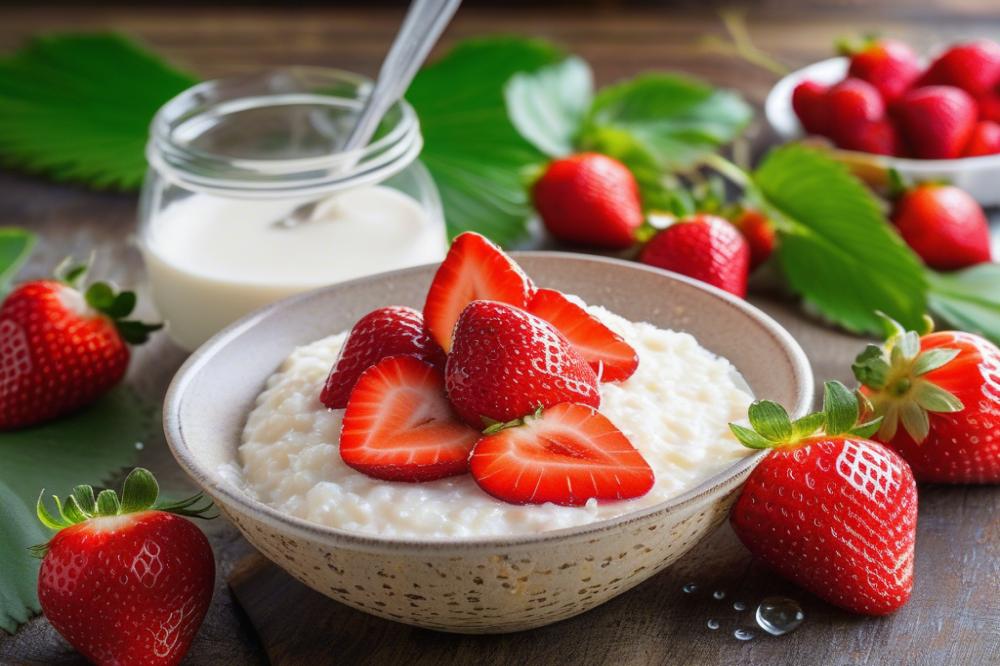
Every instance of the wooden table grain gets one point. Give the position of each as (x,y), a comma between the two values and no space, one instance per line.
(954,616)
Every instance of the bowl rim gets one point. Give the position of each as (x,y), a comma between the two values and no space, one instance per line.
(212,483)
(778,101)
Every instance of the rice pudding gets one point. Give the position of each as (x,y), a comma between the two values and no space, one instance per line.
(675,410)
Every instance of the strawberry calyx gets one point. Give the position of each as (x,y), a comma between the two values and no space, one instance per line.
(103,298)
(771,427)
(140,492)
(898,388)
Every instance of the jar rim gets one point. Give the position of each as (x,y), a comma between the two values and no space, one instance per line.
(204,170)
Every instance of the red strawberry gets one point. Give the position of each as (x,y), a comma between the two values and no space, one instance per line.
(759,233)
(62,349)
(608,354)
(985,140)
(989,106)
(590,199)
(878,138)
(704,247)
(973,67)
(475,269)
(944,390)
(831,511)
(935,121)
(566,454)
(944,225)
(392,331)
(888,64)
(399,426)
(852,104)
(809,104)
(506,363)
(126,581)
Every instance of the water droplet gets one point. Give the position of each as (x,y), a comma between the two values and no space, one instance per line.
(743,634)
(740,606)
(779,615)
(713,624)
(689,588)
(719,594)
(139,446)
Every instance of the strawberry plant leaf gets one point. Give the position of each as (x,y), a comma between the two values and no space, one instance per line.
(87,447)
(968,299)
(836,249)
(472,149)
(547,106)
(77,107)
(674,120)
(15,246)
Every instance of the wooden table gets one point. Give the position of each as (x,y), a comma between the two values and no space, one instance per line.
(954,616)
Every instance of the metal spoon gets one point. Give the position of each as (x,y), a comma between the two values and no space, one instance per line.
(425,21)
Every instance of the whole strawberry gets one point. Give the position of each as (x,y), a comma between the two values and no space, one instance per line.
(973,66)
(125,580)
(827,508)
(852,104)
(505,363)
(704,247)
(759,233)
(935,121)
(589,199)
(809,104)
(944,225)
(62,349)
(939,398)
(888,64)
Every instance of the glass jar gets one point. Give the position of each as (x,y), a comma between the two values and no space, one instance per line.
(230,159)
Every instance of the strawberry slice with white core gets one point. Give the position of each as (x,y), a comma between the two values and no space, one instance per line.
(611,358)
(474,269)
(399,426)
(566,454)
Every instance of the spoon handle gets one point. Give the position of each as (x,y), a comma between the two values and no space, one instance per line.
(425,21)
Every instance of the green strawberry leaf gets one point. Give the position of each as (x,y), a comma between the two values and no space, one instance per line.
(547,106)
(968,299)
(471,147)
(836,248)
(15,247)
(673,120)
(87,447)
(77,107)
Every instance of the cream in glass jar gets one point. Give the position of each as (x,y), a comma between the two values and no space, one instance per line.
(229,159)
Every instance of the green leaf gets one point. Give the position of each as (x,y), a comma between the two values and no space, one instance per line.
(836,248)
(77,107)
(750,438)
(968,299)
(15,247)
(807,425)
(915,421)
(89,446)
(933,398)
(933,359)
(19,531)
(548,106)
(770,420)
(870,367)
(676,119)
(868,428)
(471,147)
(840,408)
(140,491)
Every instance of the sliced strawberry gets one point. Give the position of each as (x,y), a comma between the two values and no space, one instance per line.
(605,351)
(566,454)
(392,331)
(475,269)
(400,427)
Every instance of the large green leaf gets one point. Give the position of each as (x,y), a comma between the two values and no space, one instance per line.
(676,119)
(548,106)
(836,248)
(77,107)
(15,246)
(19,530)
(87,447)
(472,149)
(969,299)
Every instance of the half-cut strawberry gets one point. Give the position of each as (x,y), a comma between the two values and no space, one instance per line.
(566,454)
(605,351)
(475,269)
(399,425)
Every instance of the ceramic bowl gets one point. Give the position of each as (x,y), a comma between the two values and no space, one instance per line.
(976,175)
(473,585)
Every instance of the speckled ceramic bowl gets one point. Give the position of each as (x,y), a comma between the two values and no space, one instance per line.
(473,585)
